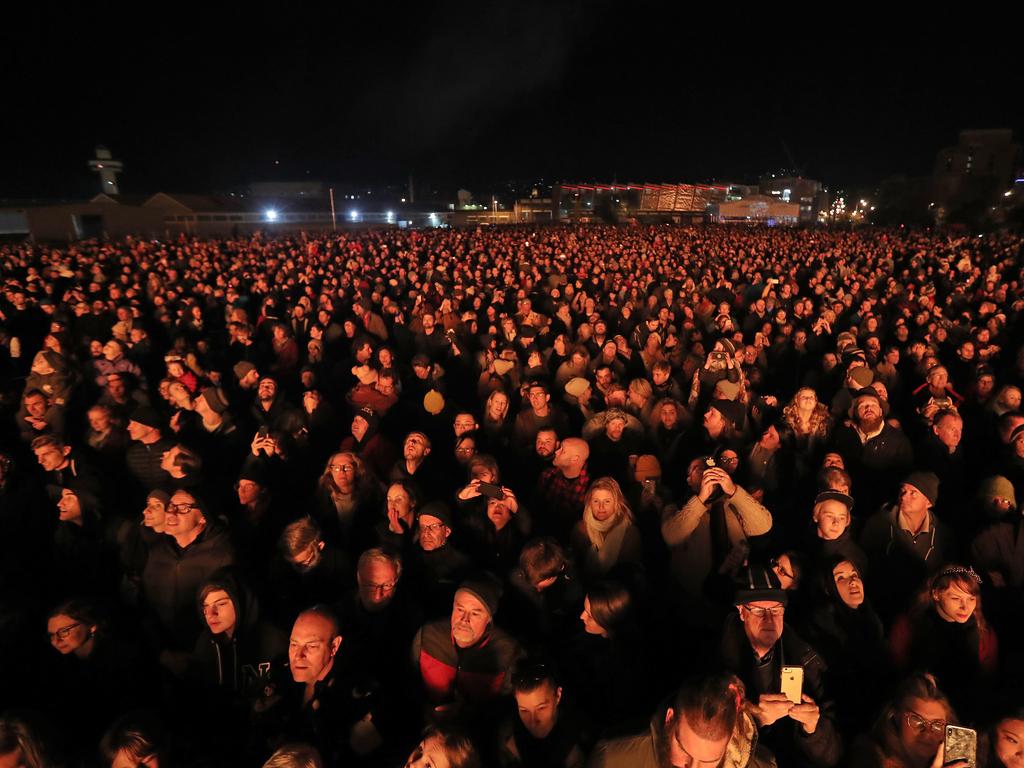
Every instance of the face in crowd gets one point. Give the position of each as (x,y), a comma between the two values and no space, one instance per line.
(312,647)
(470,619)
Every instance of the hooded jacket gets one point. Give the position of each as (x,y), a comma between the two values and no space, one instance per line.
(240,663)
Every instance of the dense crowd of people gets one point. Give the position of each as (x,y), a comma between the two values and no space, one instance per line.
(557,496)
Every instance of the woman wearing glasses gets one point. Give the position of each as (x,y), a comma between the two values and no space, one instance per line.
(96,677)
(348,496)
(947,634)
(910,731)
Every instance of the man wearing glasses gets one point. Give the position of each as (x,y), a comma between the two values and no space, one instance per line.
(193,546)
(756,644)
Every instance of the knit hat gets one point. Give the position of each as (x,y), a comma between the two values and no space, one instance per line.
(486,589)
(998,487)
(647,467)
(437,509)
(433,401)
(503,366)
(243,369)
(728,390)
(727,345)
(835,496)
(365,374)
(421,361)
(926,482)
(369,416)
(862,376)
(576,386)
(253,475)
(731,410)
(146,416)
(215,399)
(1017,432)
(758,583)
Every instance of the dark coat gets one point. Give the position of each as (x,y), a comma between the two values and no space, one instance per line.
(786,738)
(173,576)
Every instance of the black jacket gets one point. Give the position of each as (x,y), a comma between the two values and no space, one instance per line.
(239,664)
(173,576)
(786,737)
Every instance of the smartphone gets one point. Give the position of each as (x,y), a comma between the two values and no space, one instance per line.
(793,683)
(262,432)
(961,744)
(491,491)
(649,485)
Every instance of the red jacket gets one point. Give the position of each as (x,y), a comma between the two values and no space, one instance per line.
(477,674)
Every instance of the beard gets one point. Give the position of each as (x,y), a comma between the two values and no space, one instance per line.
(867,426)
(662,742)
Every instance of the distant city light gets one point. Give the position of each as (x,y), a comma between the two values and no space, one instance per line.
(391,217)
(271,214)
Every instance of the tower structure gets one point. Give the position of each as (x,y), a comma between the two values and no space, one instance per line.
(107,168)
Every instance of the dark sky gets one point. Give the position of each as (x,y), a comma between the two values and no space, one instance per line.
(470,94)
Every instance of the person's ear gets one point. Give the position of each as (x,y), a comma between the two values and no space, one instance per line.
(335,645)
(558,696)
(669,714)
(320,545)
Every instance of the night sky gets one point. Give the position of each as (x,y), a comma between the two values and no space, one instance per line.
(472,94)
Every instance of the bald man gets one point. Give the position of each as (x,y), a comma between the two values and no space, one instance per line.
(561,488)
(321,709)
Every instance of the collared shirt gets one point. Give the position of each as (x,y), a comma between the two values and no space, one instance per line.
(865,436)
(905,525)
(564,495)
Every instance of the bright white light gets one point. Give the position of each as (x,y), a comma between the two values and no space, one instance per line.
(271,214)
(391,216)
(354,214)
(1008,193)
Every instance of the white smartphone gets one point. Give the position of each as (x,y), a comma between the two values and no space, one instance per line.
(793,683)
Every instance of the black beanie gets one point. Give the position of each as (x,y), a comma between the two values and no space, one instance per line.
(732,410)
(484,588)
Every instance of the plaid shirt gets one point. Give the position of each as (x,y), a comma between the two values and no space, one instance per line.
(563,497)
